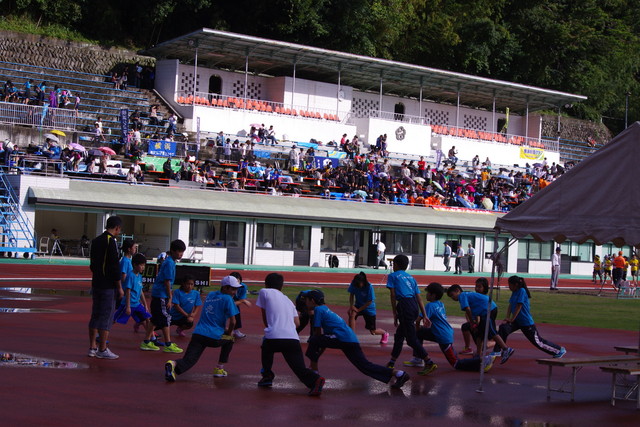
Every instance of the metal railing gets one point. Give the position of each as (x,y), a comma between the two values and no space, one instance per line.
(16,226)
(33,115)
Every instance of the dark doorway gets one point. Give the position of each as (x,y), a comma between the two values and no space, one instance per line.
(215,84)
(398,110)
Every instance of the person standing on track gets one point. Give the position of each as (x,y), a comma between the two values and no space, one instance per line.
(106,287)
(555,269)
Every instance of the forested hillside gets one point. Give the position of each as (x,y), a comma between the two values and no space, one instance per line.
(590,47)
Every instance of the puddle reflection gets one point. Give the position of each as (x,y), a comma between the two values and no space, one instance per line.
(25,360)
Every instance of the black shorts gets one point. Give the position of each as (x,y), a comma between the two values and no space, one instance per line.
(160,316)
(182,323)
(369,320)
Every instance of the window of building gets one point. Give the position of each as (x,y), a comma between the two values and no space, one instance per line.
(282,237)
(398,242)
(340,239)
(222,234)
(454,240)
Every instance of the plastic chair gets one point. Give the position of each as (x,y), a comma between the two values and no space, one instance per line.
(43,248)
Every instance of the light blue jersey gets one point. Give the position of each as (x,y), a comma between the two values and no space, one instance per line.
(218,307)
(332,324)
(362,296)
(440,327)
(167,271)
(133,282)
(476,302)
(186,300)
(403,283)
(524,317)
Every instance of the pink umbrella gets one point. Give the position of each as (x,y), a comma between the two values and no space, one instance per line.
(77,147)
(107,150)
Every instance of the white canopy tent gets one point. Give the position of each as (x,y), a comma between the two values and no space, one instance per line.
(598,200)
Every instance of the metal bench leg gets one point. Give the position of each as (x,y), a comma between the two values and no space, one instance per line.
(613,389)
(549,383)
(573,382)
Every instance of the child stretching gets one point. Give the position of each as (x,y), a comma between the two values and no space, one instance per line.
(213,330)
(519,317)
(134,304)
(362,302)
(407,306)
(240,298)
(482,287)
(474,306)
(280,319)
(161,292)
(441,332)
(338,335)
(186,303)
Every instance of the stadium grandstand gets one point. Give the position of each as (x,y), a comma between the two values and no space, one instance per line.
(262,152)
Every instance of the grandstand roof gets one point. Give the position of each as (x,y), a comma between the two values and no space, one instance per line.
(221,49)
(171,201)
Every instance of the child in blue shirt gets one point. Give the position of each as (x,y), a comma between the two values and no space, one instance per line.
(134,303)
(407,307)
(214,329)
(519,317)
(482,287)
(240,298)
(330,331)
(474,306)
(441,332)
(186,303)
(362,302)
(161,292)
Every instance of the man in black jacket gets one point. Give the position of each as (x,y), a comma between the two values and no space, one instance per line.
(105,287)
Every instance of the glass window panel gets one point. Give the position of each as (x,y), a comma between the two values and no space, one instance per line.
(301,236)
(234,234)
(417,244)
(546,250)
(585,252)
(534,250)
(328,242)
(522,249)
(264,234)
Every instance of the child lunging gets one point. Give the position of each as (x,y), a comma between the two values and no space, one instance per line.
(362,302)
(519,317)
(186,303)
(330,331)
(280,319)
(134,303)
(214,329)
(441,332)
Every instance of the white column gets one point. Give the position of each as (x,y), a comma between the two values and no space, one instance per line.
(293,85)
(315,256)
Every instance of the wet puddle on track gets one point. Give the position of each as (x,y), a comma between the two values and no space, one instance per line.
(19,360)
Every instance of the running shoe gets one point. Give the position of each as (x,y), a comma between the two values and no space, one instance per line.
(170,371)
(391,364)
(561,353)
(415,363)
(180,332)
(385,338)
(466,350)
(92,352)
(149,346)
(488,363)
(238,334)
(429,367)
(106,354)
(506,354)
(265,381)
(316,390)
(495,353)
(219,373)
(173,348)
(401,380)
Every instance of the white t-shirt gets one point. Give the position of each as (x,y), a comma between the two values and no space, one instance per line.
(280,312)
(381,247)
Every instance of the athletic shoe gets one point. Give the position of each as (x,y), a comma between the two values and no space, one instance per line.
(385,338)
(149,346)
(429,367)
(170,371)
(401,380)
(219,373)
(92,352)
(561,353)
(265,381)
(391,364)
(415,363)
(466,350)
(106,354)
(495,353)
(488,363)
(173,348)
(506,354)
(238,334)
(180,332)
(316,390)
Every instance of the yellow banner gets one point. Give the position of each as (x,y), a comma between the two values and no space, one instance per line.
(531,153)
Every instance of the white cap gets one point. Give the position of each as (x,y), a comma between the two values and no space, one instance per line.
(230,281)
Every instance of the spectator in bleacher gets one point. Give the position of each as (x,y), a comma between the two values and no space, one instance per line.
(271,135)
(294,158)
(136,121)
(168,170)
(27,90)
(452,155)
(153,115)
(122,81)
(137,170)
(227,149)
(99,137)
(131,175)
(115,79)
(137,76)
(172,123)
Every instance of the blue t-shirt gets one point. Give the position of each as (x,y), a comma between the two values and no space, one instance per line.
(362,296)
(241,293)
(167,271)
(404,284)
(125,266)
(524,318)
(332,324)
(476,302)
(185,300)
(440,327)
(133,282)
(218,307)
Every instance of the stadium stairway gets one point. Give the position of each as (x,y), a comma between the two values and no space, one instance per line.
(15,228)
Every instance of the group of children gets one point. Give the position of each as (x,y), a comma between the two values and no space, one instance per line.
(220,321)
(604,270)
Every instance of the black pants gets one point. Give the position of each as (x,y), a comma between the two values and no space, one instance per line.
(408,311)
(292,353)
(531,333)
(196,346)
(352,350)
(472,364)
(238,321)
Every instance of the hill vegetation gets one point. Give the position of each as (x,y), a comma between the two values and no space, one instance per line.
(589,47)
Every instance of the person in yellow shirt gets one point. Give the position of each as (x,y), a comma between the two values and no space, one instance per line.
(597,268)
(633,262)
(608,268)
